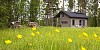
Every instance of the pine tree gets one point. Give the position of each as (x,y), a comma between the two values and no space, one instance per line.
(98,18)
(34,7)
(51,8)
(95,6)
(71,4)
(5,12)
(93,13)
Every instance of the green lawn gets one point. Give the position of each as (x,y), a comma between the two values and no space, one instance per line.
(49,39)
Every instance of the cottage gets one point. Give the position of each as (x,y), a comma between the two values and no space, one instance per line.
(71,19)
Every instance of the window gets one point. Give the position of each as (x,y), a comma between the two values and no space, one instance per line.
(80,22)
(83,22)
(73,22)
(64,22)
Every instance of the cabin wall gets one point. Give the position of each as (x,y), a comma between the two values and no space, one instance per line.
(58,21)
(65,21)
(77,22)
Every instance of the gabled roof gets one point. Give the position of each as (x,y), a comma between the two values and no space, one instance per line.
(72,14)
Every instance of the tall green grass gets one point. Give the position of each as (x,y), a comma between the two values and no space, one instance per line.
(49,39)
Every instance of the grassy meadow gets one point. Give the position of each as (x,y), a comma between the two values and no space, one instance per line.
(50,38)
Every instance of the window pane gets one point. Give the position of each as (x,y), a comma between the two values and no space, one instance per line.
(83,22)
(80,21)
(64,22)
(73,22)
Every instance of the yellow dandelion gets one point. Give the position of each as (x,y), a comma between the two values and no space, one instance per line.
(82,48)
(95,35)
(38,32)
(19,36)
(8,41)
(33,34)
(34,28)
(57,30)
(85,34)
(69,40)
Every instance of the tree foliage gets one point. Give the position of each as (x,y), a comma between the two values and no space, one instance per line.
(12,10)
(50,11)
(71,3)
(93,13)
(5,12)
(34,7)
(82,5)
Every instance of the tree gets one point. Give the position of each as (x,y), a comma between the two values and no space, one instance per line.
(71,3)
(98,18)
(93,13)
(12,10)
(82,5)
(50,10)
(34,7)
(5,12)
